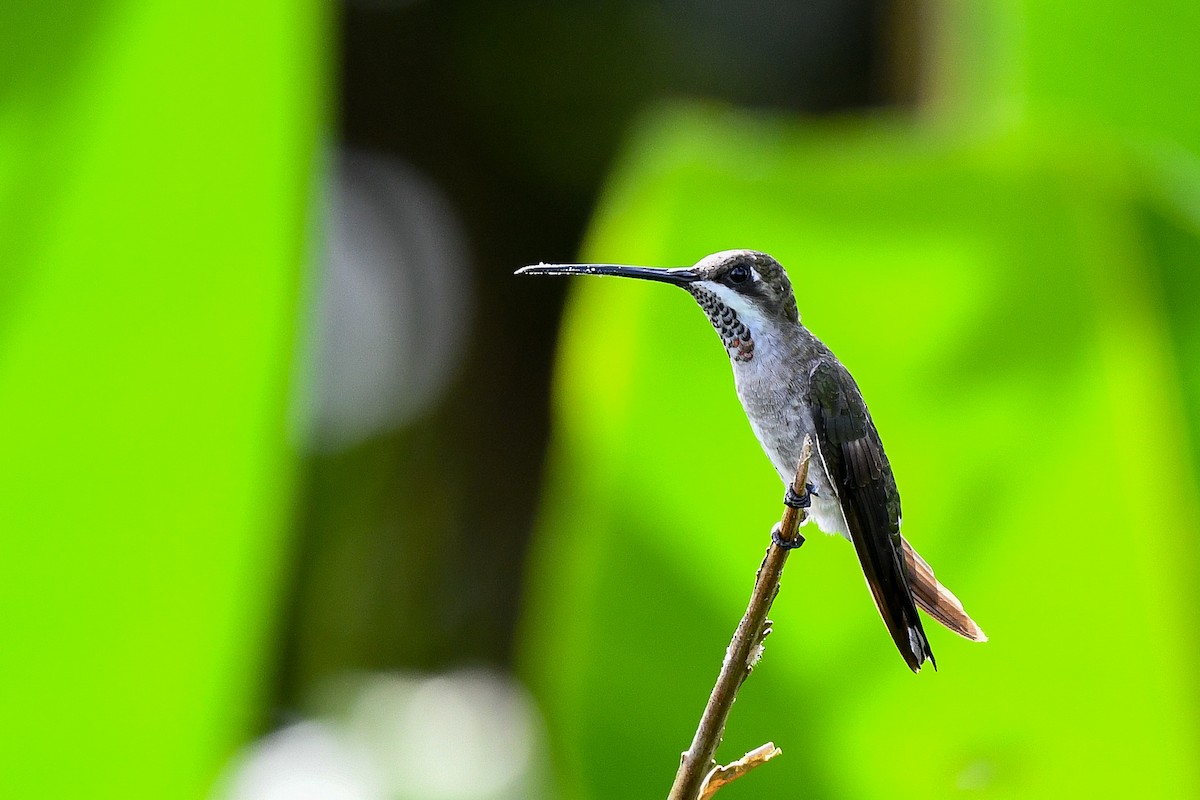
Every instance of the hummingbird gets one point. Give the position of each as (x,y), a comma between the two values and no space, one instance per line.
(792,386)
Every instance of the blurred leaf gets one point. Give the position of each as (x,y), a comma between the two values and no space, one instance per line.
(156,163)
(992,300)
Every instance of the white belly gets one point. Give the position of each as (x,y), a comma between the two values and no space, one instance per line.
(826,508)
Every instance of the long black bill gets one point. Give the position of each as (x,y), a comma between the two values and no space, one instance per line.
(679,277)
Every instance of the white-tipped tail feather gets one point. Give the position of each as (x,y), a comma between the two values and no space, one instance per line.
(936,600)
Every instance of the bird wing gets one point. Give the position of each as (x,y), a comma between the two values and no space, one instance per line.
(859,469)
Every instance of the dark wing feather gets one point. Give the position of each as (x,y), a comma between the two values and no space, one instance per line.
(856,463)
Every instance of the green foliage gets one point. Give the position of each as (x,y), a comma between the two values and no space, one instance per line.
(999,304)
(154,165)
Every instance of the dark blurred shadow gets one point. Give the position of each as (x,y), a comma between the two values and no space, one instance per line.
(433,420)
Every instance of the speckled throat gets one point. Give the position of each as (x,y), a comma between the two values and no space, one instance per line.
(733,332)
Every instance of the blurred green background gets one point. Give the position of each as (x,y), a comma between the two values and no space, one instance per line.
(304,495)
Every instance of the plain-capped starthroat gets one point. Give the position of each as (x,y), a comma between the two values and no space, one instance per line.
(791,385)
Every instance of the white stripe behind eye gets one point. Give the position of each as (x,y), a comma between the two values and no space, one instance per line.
(747,313)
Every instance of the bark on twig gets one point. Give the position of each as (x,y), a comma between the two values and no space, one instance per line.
(719,776)
(696,768)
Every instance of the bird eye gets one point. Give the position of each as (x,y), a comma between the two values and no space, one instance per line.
(739,274)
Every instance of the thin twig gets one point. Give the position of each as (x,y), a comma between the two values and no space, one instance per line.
(719,776)
(742,652)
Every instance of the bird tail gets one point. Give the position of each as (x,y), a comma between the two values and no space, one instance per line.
(936,600)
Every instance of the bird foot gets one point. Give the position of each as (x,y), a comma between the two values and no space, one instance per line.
(793,500)
(786,544)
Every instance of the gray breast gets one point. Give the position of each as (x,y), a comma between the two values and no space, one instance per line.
(779,417)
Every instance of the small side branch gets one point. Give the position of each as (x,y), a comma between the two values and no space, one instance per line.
(719,776)
(697,767)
